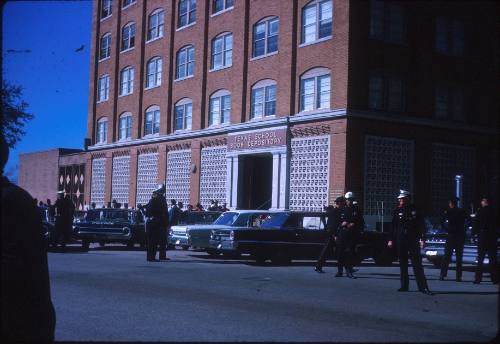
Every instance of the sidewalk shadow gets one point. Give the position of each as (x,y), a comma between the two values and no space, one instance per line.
(466,292)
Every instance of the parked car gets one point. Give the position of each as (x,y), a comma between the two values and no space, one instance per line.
(109,225)
(48,226)
(284,236)
(198,236)
(179,234)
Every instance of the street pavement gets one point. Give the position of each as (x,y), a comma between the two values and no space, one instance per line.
(112,294)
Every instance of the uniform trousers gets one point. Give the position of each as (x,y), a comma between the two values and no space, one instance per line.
(346,242)
(453,242)
(152,238)
(487,246)
(327,249)
(408,248)
(163,242)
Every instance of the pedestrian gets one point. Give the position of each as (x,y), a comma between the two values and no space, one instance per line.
(332,224)
(199,207)
(70,217)
(60,220)
(27,311)
(92,205)
(190,207)
(484,229)
(453,220)
(40,204)
(51,210)
(407,230)
(156,212)
(212,206)
(115,204)
(174,213)
(224,207)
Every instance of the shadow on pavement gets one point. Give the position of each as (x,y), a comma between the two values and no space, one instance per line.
(465,292)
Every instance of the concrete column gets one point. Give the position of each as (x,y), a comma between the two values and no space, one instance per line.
(229,182)
(234,182)
(284,190)
(275,196)
(132,190)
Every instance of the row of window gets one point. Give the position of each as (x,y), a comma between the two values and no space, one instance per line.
(316,19)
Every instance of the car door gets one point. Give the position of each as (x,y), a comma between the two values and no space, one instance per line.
(311,234)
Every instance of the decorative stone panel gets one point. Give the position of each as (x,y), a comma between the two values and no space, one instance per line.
(120,179)
(388,168)
(178,175)
(309,173)
(97,186)
(213,175)
(147,176)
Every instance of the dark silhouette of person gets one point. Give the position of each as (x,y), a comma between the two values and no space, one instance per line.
(332,224)
(27,310)
(484,227)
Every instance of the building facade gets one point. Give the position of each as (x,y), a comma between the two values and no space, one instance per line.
(288,104)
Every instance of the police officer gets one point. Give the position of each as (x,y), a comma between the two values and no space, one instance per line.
(454,220)
(70,216)
(61,215)
(406,232)
(332,224)
(156,212)
(484,228)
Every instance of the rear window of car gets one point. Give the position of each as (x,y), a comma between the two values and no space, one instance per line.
(312,222)
(108,215)
(275,221)
(199,218)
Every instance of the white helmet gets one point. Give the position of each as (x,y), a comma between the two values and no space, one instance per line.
(349,195)
(403,194)
(160,189)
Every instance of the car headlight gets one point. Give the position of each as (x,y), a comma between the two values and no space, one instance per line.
(431,253)
(231,235)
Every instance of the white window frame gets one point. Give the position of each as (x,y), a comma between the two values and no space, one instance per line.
(127,5)
(125,126)
(187,63)
(106,38)
(315,75)
(263,86)
(217,117)
(103,88)
(102,130)
(225,6)
(267,36)
(106,7)
(156,32)
(186,104)
(155,74)
(227,54)
(317,21)
(152,112)
(128,37)
(127,81)
(190,13)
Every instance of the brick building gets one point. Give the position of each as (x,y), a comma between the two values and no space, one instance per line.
(288,104)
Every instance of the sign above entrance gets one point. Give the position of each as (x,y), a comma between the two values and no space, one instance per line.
(258,139)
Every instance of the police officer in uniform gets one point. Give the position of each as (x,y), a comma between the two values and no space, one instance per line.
(347,234)
(156,212)
(454,220)
(484,228)
(332,224)
(61,215)
(406,232)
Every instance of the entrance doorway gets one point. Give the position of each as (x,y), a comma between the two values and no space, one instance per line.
(256,181)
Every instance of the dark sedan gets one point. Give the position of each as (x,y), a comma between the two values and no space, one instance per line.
(111,226)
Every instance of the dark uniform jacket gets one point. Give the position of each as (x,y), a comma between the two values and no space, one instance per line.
(27,310)
(156,210)
(406,224)
(353,214)
(456,221)
(333,220)
(484,224)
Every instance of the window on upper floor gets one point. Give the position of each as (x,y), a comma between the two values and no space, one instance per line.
(386,92)
(152,120)
(449,36)
(126,81)
(106,8)
(449,102)
(125,126)
(102,130)
(265,37)
(187,13)
(387,21)
(221,5)
(263,102)
(155,24)
(105,46)
(153,72)
(103,88)
(183,114)
(127,3)
(316,20)
(128,36)
(315,90)
(222,51)
(220,108)
(185,62)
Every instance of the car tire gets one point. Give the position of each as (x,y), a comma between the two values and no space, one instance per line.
(85,245)
(130,244)
(212,252)
(436,263)
(170,247)
(185,247)
(281,258)
(231,254)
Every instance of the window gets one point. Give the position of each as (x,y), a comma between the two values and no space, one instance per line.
(153,77)
(263,99)
(126,81)
(185,62)
(102,130)
(449,103)
(155,24)
(449,36)
(222,51)
(183,114)
(128,36)
(106,6)
(220,108)
(315,90)
(187,12)
(103,88)
(152,121)
(386,92)
(221,5)
(317,20)
(265,37)
(127,3)
(386,21)
(126,126)
(105,50)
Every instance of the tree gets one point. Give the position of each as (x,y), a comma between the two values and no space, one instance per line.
(14,116)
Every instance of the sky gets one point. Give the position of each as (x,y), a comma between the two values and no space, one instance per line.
(54,77)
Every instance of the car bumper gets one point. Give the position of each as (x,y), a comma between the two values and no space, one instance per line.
(179,240)
(437,253)
(99,236)
(223,245)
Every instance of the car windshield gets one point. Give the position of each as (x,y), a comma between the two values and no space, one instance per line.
(275,221)
(108,215)
(199,217)
(226,219)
